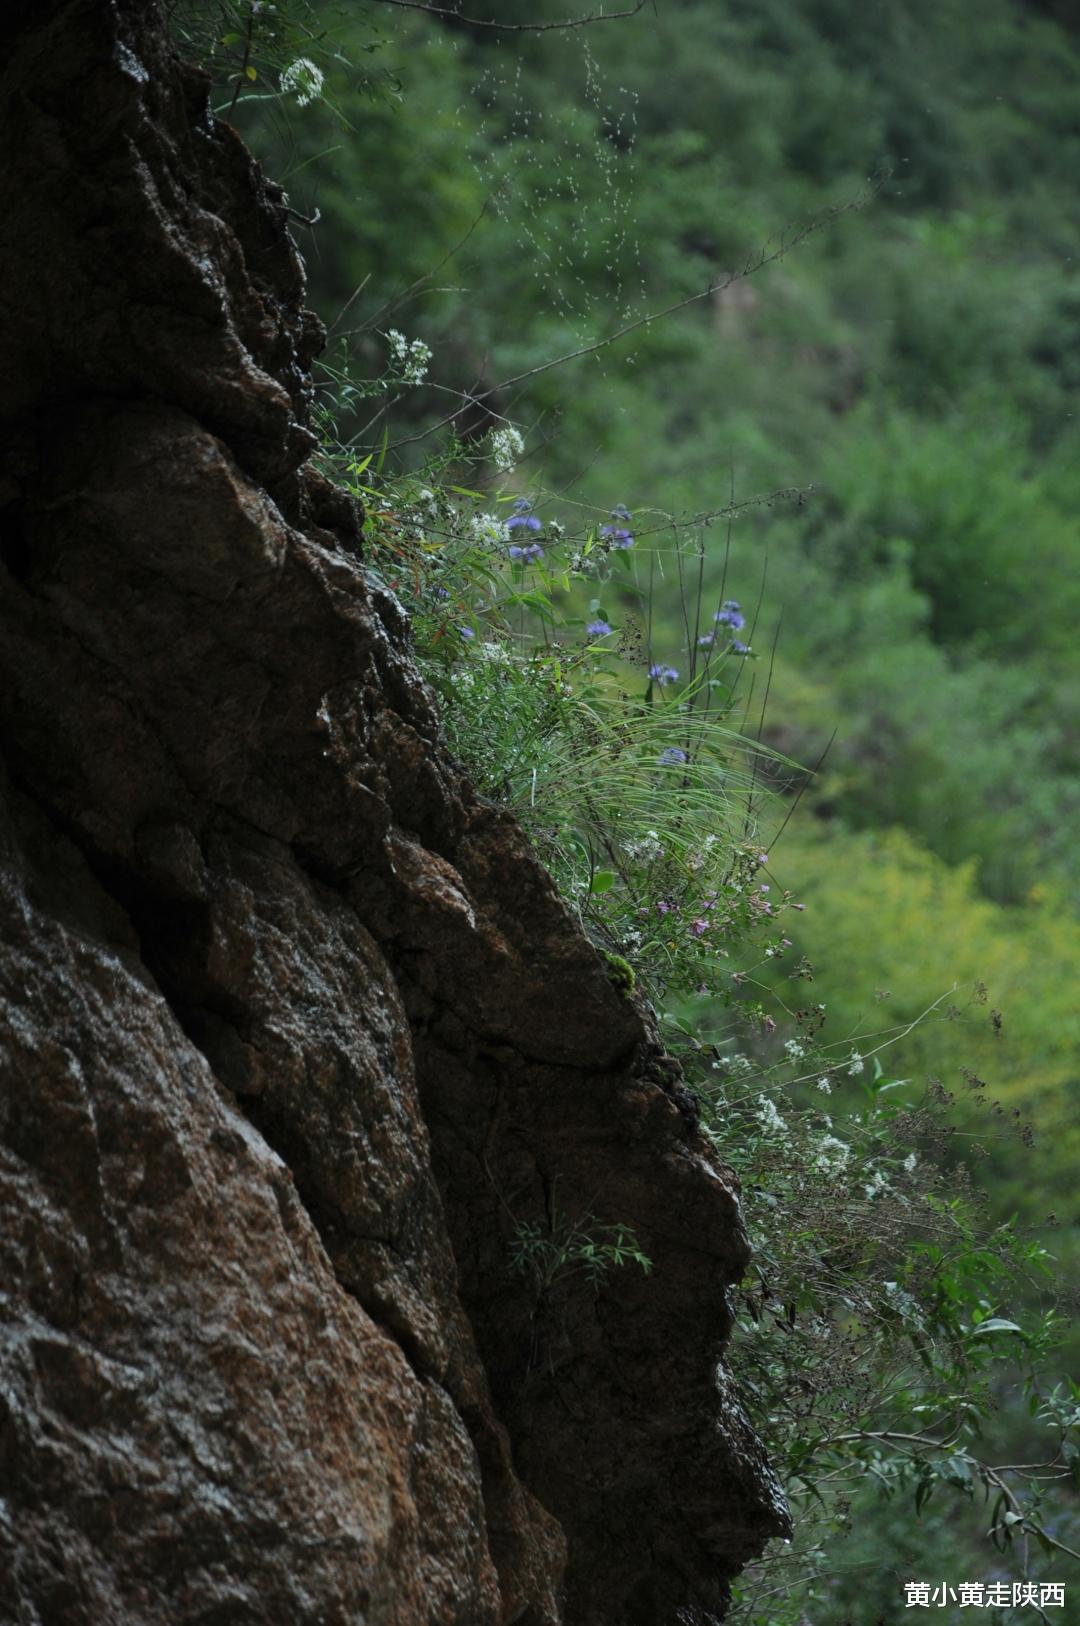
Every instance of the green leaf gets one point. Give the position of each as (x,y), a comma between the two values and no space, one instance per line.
(603,880)
(998,1324)
(251,72)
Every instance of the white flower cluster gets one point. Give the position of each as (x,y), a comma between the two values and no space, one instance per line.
(769,1118)
(876,1184)
(795,1050)
(303,80)
(733,1064)
(507,446)
(488,528)
(497,654)
(646,848)
(409,357)
(855,1065)
(832,1155)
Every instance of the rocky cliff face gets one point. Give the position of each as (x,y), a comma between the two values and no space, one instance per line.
(294,1032)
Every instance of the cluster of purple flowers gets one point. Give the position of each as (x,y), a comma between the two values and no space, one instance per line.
(672,755)
(736,646)
(522,518)
(598,628)
(663,674)
(617,535)
(730,615)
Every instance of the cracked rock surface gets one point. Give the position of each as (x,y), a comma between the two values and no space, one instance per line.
(294,1031)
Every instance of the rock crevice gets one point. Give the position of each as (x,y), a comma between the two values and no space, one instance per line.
(295,1031)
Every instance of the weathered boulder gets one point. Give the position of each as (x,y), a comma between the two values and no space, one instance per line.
(295,1034)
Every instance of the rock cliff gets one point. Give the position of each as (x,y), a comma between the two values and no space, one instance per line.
(294,1031)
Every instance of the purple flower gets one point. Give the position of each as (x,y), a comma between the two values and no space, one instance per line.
(699,926)
(467,632)
(617,537)
(598,629)
(523,517)
(663,674)
(673,754)
(620,511)
(531,551)
(730,615)
(738,648)
(708,641)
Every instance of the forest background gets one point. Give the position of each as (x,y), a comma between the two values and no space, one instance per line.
(889,401)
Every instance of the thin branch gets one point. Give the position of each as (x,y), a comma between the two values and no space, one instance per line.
(758,262)
(399,299)
(814,771)
(514,28)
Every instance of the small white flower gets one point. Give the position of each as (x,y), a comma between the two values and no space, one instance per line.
(488,528)
(732,1064)
(909,1162)
(303,80)
(855,1065)
(795,1050)
(824,1086)
(409,356)
(507,445)
(646,848)
(832,1155)
(877,1184)
(769,1118)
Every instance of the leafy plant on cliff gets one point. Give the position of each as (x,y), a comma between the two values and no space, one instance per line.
(882,1308)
